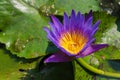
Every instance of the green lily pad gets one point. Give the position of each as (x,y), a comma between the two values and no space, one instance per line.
(12,67)
(6,12)
(58,7)
(36,3)
(23,32)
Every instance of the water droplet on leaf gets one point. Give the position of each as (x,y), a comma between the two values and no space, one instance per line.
(8,44)
(19,45)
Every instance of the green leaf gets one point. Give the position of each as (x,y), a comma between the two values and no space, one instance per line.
(24,34)
(23,7)
(12,67)
(57,7)
(6,12)
(35,3)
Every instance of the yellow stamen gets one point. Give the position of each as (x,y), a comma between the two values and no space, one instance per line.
(73,42)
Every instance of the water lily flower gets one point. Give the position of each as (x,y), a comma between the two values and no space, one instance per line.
(74,37)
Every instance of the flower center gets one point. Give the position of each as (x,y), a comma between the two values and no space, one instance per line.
(73,47)
(73,42)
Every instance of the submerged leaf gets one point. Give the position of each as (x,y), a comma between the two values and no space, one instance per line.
(107,34)
(107,21)
(57,71)
(81,73)
(112,38)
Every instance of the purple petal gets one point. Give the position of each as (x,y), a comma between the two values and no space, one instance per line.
(92,48)
(88,15)
(54,30)
(88,23)
(51,36)
(53,27)
(88,26)
(80,21)
(73,20)
(96,24)
(58,57)
(95,28)
(66,21)
(78,18)
(57,23)
(93,32)
(73,14)
(85,47)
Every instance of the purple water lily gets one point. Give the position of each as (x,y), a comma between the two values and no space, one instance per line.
(74,37)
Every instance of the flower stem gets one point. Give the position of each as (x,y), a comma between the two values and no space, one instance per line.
(97,71)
